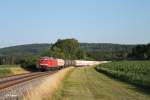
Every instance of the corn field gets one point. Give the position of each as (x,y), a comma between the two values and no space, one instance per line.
(135,72)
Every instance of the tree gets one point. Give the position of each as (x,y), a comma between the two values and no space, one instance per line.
(66,49)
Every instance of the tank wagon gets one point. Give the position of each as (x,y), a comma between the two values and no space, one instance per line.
(49,63)
(80,63)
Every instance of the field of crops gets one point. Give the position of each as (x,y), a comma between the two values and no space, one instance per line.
(135,72)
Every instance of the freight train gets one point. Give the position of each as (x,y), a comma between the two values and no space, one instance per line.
(49,63)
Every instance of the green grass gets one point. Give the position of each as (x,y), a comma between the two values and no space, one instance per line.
(135,72)
(6,70)
(87,84)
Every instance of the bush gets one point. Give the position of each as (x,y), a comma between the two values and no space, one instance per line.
(29,63)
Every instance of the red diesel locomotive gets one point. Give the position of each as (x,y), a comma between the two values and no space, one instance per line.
(49,63)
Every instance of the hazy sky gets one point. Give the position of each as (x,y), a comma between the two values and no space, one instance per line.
(104,21)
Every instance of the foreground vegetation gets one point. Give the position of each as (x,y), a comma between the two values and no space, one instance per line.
(6,70)
(85,83)
(135,72)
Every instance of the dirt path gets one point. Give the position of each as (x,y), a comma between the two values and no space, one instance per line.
(87,84)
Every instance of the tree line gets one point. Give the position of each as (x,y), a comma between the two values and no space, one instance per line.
(140,52)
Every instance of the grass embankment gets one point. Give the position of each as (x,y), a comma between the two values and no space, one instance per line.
(135,72)
(47,87)
(87,84)
(6,70)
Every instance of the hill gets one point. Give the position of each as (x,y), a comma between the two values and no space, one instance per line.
(28,49)
(107,47)
(37,49)
(107,51)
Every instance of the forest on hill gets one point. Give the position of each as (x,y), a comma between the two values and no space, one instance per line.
(107,51)
(21,50)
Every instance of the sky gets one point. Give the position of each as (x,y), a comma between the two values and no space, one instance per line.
(92,21)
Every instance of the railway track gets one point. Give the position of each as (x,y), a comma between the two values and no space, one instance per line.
(9,81)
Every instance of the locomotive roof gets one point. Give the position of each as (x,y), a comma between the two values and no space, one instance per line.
(46,58)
